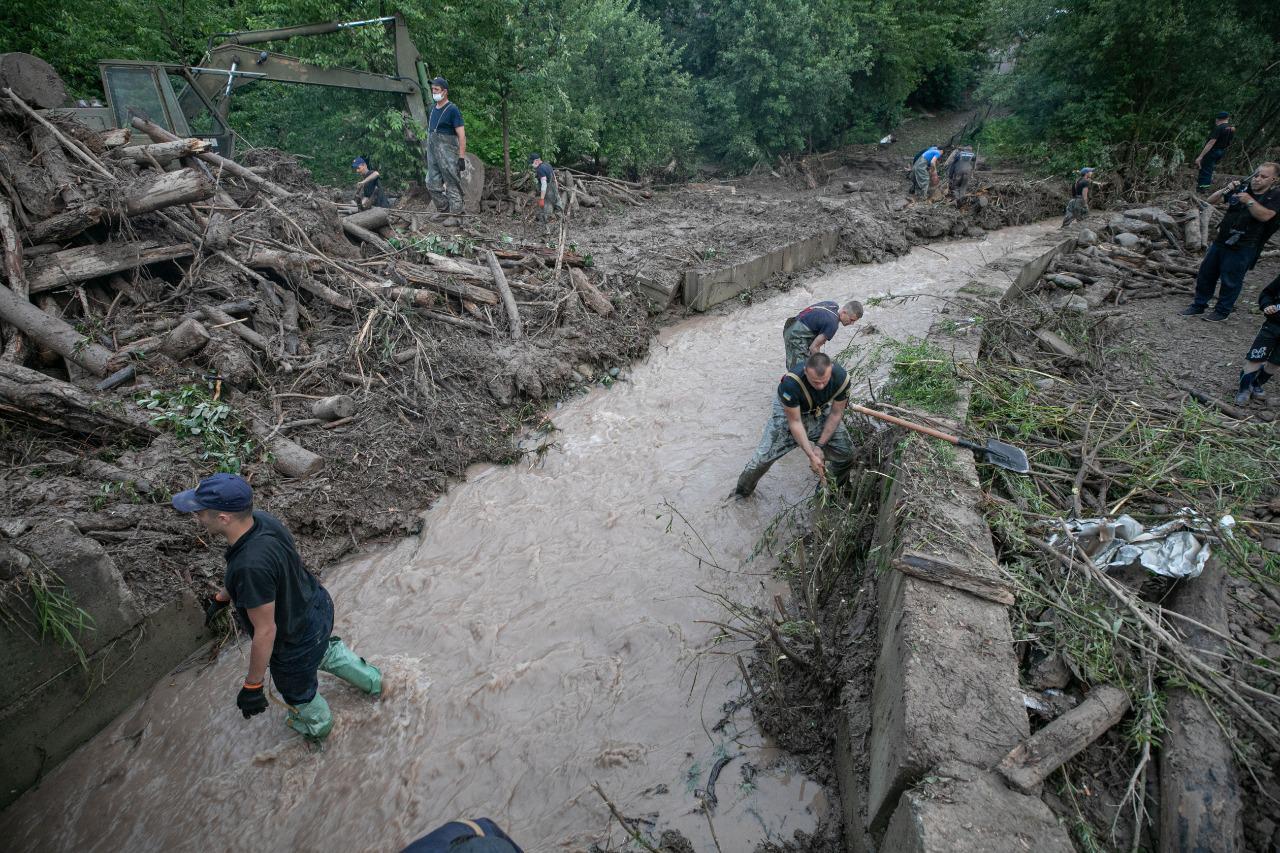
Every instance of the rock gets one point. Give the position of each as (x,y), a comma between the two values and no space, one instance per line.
(585,370)
(14,527)
(853,186)
(1051,342)
(12,562)
(1127,240)
(1044,383)
(1072,304)
(975,231)
(1117,224)
(1097,293)
(1052,671)
(615,372)
(1087,237)
(1271,544)
(898,204)
(1070,282)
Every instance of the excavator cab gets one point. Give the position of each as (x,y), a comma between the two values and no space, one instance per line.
(163,93)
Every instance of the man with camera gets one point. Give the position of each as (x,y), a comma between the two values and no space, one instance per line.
(1248,223)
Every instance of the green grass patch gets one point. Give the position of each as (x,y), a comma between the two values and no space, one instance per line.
(923,377)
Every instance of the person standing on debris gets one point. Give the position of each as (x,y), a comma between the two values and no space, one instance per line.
(548,193)
(369,188)
(446,150)
(1214,149)
(1078,207)
(808,413)
(1263,358)
(805,334)
(924,171)
(959,168)
(286,611)
(1247,225)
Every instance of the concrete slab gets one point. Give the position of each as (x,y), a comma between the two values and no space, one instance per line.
(703,289)
(959,808)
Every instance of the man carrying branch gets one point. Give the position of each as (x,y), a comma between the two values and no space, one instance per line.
(806,393)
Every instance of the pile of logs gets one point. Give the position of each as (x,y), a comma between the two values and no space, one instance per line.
(131,250)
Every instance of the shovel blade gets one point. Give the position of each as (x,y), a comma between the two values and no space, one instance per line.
(1006,456)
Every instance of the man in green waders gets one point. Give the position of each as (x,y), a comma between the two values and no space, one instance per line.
(446,150)
(286,610)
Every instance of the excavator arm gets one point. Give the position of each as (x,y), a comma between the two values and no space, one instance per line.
(232,65)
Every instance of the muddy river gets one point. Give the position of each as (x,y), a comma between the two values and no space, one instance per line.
(544,632)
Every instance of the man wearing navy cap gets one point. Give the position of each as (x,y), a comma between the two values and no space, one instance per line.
(369,188)
(446,150)
(288,613)
(1214,149)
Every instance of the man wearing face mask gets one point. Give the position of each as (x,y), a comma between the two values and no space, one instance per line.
(1248,223)
(446,150)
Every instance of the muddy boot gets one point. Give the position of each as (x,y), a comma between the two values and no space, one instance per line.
(311,719)
(351,668)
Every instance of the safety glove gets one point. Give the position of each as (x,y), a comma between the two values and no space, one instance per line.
(251,699)
(542,202)
(216,606)
(462,164)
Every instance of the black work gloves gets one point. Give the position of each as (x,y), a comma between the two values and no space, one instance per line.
(462,164)
(251,700)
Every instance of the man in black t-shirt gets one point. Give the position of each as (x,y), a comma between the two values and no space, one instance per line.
(369,188)
(1078,207)
(446,150)
(808,413)
(1263,359)
(1214,149)
(544,178)
(286,611)
(1248,223)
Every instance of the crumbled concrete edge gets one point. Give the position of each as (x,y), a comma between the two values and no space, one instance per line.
(946,694)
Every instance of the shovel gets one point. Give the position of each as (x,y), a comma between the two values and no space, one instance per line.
(994,451)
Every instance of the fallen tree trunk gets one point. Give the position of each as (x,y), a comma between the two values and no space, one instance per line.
(11,247)
(364,235)
(288,457)
(155,131)
(1200,805)
(333,408)
(161,152)
(65,225)
(169,188)
(57,167)
(508,300)
(61,404)
(81,263)
(53,333)
(422,276)
(371,219)
(1030,762)
(596,300)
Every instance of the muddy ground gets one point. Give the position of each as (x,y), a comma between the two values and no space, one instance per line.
(479,392)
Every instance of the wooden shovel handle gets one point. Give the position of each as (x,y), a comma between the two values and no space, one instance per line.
(872,413)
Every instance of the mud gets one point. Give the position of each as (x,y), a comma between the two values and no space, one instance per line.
(546,630)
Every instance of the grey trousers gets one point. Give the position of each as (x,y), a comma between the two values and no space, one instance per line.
(960,184)
(553,202)
(920,177)
(1075,210)
(796,339)
(443,181)
(777,442)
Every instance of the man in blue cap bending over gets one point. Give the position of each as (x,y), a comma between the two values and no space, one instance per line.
(287,612)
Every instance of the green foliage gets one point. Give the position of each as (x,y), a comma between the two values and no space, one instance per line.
(1131,86)
(192,413)
(923,377)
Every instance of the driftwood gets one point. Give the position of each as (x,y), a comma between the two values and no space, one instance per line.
(288,457)
(184,340)
(57,167)
(53,333)
(115,137)
(219,319)
(1200,805)
(594,299)
(82,263)
(508,300)
(160,153)
(1030,762)
(936,571)
(155,131)
(366,236)
(65,225)
(333,408)
(169,188)
(63,405)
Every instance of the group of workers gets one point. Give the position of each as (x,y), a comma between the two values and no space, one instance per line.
(447,163)
(926,177)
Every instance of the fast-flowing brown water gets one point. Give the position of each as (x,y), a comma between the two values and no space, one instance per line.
(543,632)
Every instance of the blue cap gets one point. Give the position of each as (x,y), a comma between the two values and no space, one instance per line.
(1223,114)
(441,82)
(223,492)
(533,157)
(1086,170)
(358,162)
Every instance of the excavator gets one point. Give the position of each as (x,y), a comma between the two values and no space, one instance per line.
(194,100)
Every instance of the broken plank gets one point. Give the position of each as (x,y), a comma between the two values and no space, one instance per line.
(936,571)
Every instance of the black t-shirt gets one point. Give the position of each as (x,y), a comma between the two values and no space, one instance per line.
(1077,189)
(264,566)
(446,119)
(795,391)
(1239,221)
(1222,135)
(373,190)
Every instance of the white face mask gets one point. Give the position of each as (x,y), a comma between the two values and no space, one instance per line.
(437,96)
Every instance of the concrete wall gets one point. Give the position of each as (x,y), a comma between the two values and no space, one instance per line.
(703,289)
(946,700)
(49,702)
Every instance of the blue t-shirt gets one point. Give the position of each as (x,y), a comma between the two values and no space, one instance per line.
(794,390)
(544,170)
(822,318)
(446,119)
(931,154)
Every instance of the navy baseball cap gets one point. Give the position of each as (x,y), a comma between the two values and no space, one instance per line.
(358,162)
(441,82)
(223,492)
(1223,114)
(533,157)
(1086,170)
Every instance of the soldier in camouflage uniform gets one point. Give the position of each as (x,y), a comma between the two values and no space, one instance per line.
(808,413)
(805,334)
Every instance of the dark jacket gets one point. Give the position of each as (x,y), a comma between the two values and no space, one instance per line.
(1270,295)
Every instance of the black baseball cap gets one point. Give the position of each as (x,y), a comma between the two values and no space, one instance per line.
(533,157)
(222,492)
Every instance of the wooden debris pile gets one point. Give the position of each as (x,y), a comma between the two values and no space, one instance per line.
(129,263)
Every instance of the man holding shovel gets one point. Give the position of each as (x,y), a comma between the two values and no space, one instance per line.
(808,411)
(286,610)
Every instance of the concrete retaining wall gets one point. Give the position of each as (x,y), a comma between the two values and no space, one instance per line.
(946,701)
(705,289)
(49,702)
